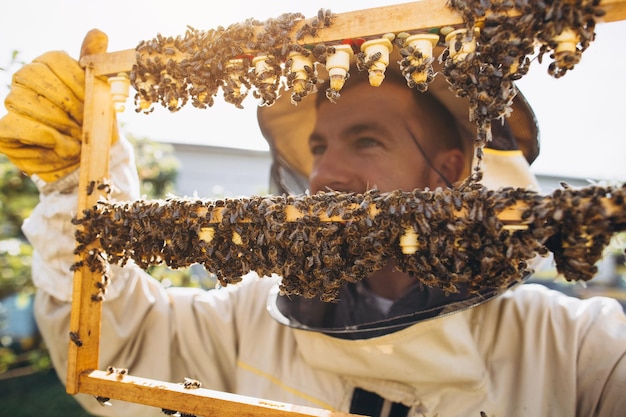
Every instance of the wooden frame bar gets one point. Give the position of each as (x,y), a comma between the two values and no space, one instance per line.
(425,14)
(85,319)
(83,374)
(201,401)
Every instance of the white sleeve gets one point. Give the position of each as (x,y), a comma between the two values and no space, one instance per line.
(602,359)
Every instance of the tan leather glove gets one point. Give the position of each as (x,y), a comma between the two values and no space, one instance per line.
(42,132)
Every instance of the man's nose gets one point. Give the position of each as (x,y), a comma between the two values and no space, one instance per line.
(333,171)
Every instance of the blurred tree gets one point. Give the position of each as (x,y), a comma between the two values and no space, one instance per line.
(18,197)
(157,167)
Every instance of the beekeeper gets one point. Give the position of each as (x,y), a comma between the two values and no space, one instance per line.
(387,347)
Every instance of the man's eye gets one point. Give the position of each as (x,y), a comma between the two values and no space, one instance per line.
(367,142)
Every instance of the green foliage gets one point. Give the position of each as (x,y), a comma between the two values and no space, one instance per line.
(18,196)
(41,394)
(14,60)
(157,167)
(15,267)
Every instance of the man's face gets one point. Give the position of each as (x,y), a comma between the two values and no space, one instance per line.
(365,141)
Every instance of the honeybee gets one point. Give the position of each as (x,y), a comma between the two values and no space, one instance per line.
(191,383)
(75,338)
(103,401)
(90,187)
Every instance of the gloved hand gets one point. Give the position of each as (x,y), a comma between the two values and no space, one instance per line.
(42,132)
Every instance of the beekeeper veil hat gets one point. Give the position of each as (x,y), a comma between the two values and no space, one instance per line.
(287,128)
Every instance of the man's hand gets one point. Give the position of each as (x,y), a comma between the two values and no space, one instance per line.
(42,132)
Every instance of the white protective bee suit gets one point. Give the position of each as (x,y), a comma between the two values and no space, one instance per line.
(528,352)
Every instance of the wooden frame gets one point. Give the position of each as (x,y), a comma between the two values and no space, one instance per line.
(84,375)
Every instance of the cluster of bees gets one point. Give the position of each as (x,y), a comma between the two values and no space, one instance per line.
(317,243)
(195,66)
(581,229)
(256,57)
(505,38)
(172,70)
(503,47)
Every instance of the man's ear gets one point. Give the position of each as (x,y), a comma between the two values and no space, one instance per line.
(451,164)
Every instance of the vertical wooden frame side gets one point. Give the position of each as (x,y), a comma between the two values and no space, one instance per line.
(86,313)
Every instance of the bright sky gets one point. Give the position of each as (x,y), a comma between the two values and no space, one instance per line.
(581,116)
